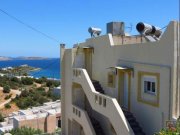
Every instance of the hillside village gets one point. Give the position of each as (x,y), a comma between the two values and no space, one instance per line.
(24,92)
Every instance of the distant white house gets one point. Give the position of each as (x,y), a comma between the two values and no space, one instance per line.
(19,77)
(1,74)
(46,118)
(56,91)
(25,65)
(7,68)
(6,128)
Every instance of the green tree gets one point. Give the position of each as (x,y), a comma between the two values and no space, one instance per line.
(15,79)
(27,81)
(6,89)
(41,80)
(1,118)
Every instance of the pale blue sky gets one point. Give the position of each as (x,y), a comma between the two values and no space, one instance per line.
(68,21)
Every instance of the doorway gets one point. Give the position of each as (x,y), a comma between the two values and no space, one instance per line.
(124,83)
(88,60)
(125,91)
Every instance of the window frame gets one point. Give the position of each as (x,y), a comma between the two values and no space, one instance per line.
(151,80)
(143,97)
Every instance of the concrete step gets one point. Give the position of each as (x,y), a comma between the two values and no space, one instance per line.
(133,123)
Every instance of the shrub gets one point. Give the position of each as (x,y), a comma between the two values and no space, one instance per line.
(40,89)
(14,87)
(42,100)
(15,79)
(27,81)
(49,83)
(8,96)
(6,89)
(24,93)
(7,106)
(25,131)
(1,118)
(171,130)
(41,80)
(56,83)
(25,74)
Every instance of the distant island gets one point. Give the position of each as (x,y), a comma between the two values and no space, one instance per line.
(31,58)
(2,58)
(22,70)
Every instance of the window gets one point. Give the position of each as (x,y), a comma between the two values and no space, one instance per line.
(148,88)
(111,80)
(149,84)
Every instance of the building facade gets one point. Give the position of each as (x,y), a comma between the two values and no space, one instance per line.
(117,84)
(47,118)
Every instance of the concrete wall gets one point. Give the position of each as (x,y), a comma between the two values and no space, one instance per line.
(45,124)
(67,60)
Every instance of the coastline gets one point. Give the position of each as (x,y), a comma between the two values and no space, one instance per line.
(43,68)
(36,69)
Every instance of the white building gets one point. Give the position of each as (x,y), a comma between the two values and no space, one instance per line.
(46,118)
(56,91)
(117,84)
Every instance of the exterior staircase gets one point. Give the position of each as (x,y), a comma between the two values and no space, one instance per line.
(129,116)
(133,123)
(97,86)
(102,103)
(97,127)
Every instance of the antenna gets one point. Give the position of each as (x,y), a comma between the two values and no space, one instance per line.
(129,27)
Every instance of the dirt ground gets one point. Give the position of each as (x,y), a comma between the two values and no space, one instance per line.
(14,108)
(6,112)
(3,95)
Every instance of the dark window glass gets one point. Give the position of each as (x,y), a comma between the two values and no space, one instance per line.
(153,87)
(148,86)
(145,86)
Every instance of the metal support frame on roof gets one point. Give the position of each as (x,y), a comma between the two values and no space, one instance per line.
(125,69)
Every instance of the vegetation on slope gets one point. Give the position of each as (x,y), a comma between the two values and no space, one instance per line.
(34,92)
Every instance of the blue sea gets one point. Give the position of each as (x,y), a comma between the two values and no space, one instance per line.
(50,68)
